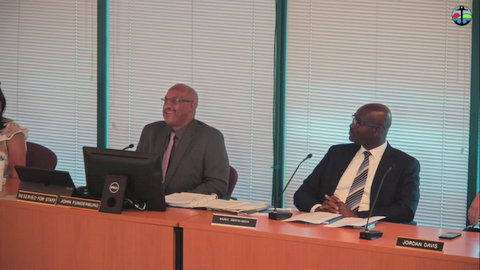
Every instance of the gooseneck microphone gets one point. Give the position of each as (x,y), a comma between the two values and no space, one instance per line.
(284,215)
(372,235)
(128,147)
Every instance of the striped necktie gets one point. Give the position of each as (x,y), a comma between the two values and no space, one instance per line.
(167,154)
(358,185)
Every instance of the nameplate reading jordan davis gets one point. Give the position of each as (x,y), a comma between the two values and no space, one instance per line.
(241,222)
(79,202)
(36,197)
(421,244)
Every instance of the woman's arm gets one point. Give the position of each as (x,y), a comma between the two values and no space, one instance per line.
(16,153)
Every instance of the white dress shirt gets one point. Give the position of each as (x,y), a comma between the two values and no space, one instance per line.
(348,176)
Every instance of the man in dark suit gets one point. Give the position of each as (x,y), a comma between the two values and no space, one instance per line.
(331,186)
(194,154)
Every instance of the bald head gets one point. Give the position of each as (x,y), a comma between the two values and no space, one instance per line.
(180,105)
(378,114)
(186,90)
(371,124)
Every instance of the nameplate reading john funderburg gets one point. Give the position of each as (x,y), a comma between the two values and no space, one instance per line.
(420,244)
(36,197)
(79,202)
(234,221)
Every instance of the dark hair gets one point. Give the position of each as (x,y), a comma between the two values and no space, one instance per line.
(3,103)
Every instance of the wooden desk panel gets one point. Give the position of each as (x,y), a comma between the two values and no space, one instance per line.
(279,245)
(39,236)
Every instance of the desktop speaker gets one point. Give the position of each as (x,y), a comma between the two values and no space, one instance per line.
(113,194)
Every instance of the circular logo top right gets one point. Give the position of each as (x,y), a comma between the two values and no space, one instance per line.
(461,15)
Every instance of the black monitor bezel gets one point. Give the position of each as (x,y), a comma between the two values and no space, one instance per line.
(143,171)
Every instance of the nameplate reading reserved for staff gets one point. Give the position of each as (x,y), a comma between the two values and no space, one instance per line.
(420,244)
(36,197)
(234,221)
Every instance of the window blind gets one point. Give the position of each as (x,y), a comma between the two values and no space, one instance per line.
(48,74)
(223,49)
(409,55)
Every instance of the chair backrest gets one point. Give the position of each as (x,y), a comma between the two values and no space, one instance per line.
(40,156)
(232,181)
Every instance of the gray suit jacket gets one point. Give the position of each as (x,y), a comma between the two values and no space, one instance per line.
(200,163)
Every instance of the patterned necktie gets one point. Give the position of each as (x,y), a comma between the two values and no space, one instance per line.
(358,185)
(166,155)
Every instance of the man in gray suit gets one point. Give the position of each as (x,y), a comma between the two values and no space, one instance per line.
(194,154)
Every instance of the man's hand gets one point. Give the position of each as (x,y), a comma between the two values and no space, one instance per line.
(334,205)
(328,205)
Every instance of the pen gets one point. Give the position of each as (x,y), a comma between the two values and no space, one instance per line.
(332,220)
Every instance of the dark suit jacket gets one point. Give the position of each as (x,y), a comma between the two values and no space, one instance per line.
(199,165)
(399,195)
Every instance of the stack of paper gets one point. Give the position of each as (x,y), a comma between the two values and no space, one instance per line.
(234,206)
(210,202)
(188,200)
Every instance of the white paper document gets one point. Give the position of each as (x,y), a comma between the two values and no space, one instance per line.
(315,218)
(354,222)
(234,206)
(332,220)
(188,200)
(210,202)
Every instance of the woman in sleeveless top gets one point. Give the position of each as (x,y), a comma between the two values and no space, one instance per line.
(12,142)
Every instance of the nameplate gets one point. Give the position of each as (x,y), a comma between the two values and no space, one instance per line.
(420,244)
(234,221)
(79,202)
(37,197)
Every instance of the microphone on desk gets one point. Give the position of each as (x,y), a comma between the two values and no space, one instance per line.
(128,147)
(284,215)
(372,235)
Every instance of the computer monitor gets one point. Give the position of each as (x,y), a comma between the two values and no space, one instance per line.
(143,172)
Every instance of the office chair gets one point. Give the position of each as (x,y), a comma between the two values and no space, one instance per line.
(40,156)
(232,181)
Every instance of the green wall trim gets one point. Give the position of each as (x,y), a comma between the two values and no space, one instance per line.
(102,73)
(474,145)
(279,106)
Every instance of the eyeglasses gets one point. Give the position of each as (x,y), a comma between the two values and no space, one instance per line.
(175,101)
(358,123)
